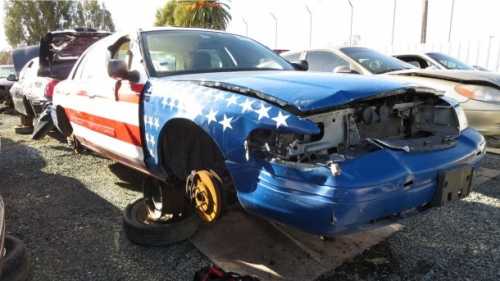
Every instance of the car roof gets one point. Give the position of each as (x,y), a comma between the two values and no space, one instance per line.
(165,28)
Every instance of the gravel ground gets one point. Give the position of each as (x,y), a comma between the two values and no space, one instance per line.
(67,209)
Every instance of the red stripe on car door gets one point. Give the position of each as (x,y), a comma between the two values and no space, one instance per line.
(115,129)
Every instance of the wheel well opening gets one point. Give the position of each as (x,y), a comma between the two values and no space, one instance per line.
(185,147)
(62,122)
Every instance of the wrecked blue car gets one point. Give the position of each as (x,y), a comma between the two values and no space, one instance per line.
(207,114)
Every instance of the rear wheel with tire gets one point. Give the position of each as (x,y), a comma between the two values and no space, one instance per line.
(14,265)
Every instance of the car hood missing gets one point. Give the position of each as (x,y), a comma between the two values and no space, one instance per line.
(305,91)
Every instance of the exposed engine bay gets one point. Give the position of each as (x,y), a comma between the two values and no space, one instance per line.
(406,122)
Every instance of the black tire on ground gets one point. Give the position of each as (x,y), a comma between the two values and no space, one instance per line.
(23,130)
(15,265)
(140,232)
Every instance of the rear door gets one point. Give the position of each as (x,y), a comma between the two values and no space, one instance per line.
(104,112)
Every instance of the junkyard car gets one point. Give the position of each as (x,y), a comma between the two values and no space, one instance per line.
(7,75)
(436,60)
(13,259)
(217,112)
(58,52)
(478,92)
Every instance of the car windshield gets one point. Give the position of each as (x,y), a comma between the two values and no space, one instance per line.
(5,71)
(374,61)
(449,62)
(179,51)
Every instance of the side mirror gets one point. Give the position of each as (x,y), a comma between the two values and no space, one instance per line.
(345,69)
(301,65)
(12,77)
(118,69)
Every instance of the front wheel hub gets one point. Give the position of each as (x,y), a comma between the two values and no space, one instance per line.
(204,189)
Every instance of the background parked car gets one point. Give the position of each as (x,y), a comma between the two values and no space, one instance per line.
(7,77)
(478,92)
(436,60)
(58,52)
(13,258)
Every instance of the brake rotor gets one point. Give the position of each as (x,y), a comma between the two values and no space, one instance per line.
(204,187)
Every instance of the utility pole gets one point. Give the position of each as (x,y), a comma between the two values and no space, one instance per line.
(423,34)
(452,12)
(275,30)
(246,26)
(310,25)
(393,24)
(352,18)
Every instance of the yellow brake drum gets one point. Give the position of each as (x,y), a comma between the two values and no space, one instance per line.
(205,193)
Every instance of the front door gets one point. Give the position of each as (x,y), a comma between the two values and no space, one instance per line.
(104,112)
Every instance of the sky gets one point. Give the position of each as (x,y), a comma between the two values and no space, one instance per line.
(474,22)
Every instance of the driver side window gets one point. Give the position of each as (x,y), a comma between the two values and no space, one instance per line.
(123,53)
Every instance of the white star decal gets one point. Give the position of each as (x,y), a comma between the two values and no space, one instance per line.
(263,111)
(146,120)
(165,102)
(172,103)
(211,116)
(157,123)
(281,119)
(246,106)
(218,96)
(226,123)
(232,100)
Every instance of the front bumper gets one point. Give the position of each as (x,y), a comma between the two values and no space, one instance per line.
(484,117)
(378,185)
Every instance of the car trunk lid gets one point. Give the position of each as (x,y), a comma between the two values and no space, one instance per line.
(59,50)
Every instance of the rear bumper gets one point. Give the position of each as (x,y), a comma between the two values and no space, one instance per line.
(373,187)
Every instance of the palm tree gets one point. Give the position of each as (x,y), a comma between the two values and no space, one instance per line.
(195,13)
